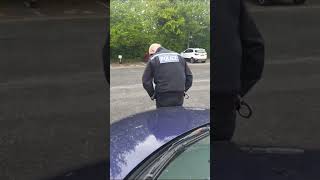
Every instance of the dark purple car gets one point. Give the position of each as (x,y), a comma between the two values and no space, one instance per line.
(167,143)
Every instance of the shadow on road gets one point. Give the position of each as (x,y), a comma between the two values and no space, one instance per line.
(232,161)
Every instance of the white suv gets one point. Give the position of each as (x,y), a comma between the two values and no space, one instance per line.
(195,55)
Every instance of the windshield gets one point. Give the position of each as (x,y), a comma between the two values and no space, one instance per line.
(200,51)
(193,163)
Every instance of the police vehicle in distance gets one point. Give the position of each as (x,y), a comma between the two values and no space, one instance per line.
(266,2)
(195,55)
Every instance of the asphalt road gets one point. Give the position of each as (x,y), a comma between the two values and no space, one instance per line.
(285,102)
(53,95)
(128,97)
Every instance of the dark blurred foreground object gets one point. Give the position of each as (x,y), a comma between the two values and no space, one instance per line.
(268,2)
(31,3)
(239,60)
(106,59)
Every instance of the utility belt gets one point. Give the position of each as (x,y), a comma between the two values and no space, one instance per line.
(185,95)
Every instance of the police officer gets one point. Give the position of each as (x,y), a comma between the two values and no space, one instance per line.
(170,74)
(238,61)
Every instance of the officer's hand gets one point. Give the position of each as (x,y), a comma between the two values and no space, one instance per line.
(153,97)
(186,95)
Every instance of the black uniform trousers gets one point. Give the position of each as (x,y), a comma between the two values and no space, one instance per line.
(168,99)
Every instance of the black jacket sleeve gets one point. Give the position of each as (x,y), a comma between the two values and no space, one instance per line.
(147,79)
(189,77)
(253,51)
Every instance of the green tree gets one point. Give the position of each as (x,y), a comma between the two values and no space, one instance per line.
(135,24)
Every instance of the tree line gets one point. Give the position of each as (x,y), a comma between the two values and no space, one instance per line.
(175,24)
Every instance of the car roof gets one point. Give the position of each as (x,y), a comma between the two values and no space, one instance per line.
(134,138)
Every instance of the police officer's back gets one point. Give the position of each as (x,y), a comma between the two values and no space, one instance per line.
(170,74)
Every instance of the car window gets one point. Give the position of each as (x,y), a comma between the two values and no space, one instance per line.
(189,50)
(193,163)
(200,51)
